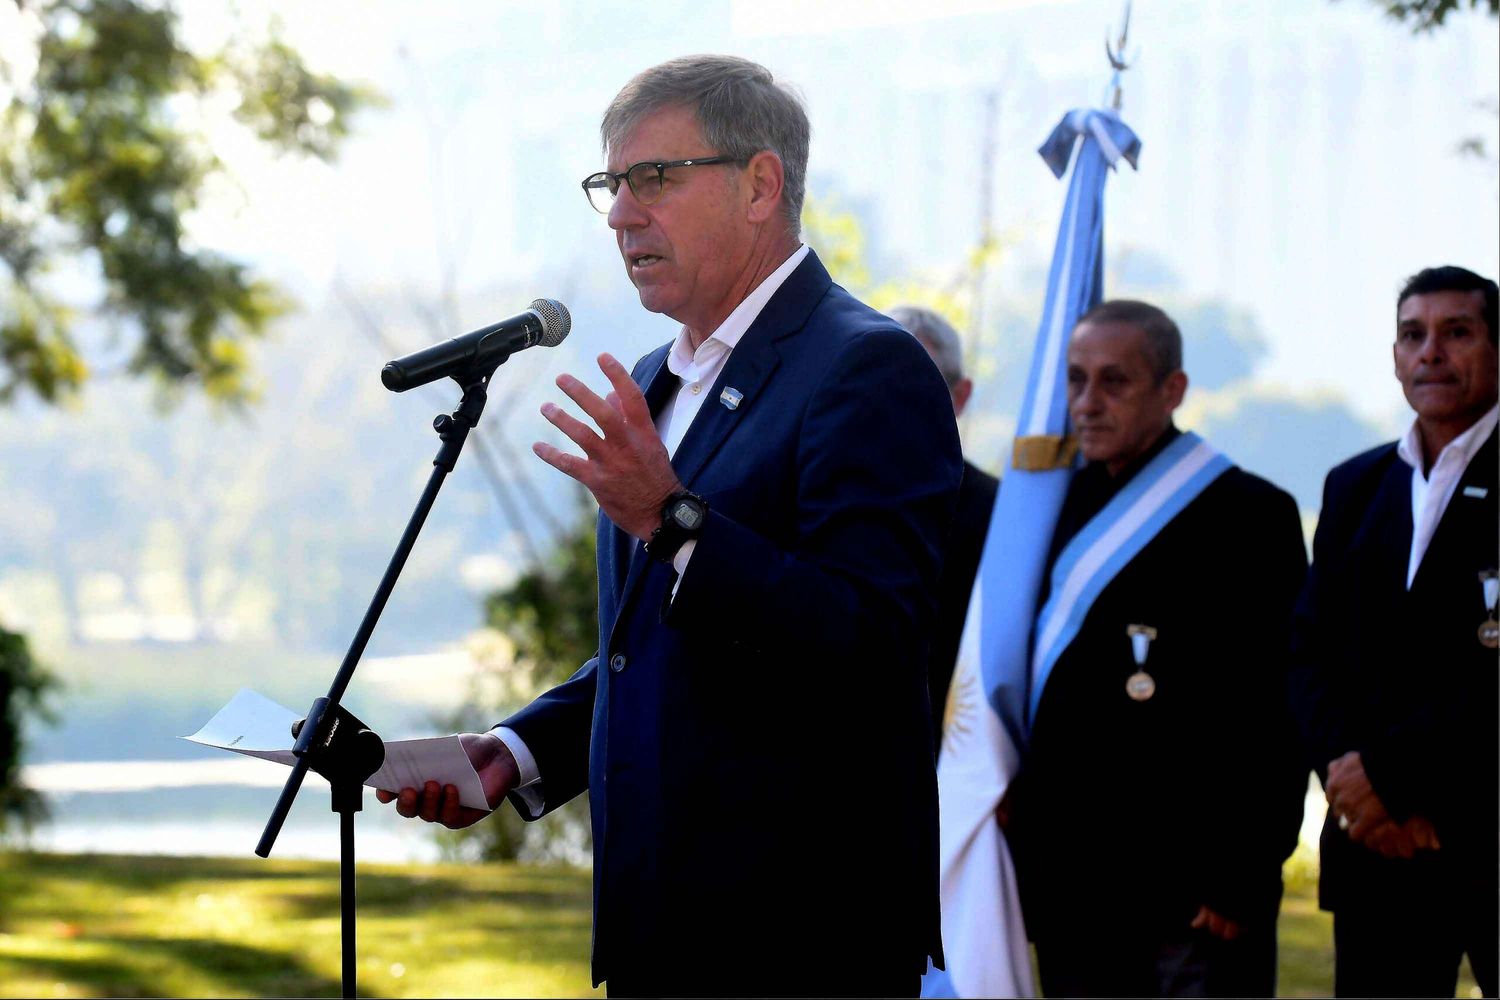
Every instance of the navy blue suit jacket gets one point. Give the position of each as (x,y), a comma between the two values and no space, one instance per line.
(757,750)
(1400,676)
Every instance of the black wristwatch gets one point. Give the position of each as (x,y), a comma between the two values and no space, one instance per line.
(682,518)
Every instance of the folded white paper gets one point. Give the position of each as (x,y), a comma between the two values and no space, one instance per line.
(254,725)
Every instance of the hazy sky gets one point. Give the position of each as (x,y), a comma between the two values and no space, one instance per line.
(1299,156)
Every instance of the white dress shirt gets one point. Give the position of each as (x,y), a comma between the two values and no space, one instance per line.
(1431,492)
(698,370)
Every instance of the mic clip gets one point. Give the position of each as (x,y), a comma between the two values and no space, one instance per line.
(341,749)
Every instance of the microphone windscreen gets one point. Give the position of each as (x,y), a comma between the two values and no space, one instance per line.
(556,322)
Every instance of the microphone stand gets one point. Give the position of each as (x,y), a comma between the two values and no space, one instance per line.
(333,742)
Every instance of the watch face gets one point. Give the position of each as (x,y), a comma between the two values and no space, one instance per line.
(687,514)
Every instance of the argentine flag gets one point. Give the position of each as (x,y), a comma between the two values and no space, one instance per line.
(985,723)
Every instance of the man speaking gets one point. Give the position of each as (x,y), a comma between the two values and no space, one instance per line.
(773,489)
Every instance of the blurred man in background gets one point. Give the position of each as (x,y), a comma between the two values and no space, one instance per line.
(971,520)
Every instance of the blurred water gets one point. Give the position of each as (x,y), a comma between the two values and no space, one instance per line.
(206,807)
(374,841)
(118,778)
(219,808)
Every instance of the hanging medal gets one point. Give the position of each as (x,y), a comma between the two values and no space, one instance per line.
(1489,632)
(1140,686)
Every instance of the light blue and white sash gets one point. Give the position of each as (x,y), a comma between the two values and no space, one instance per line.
(1112,538)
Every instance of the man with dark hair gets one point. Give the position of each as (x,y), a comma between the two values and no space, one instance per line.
(773,489)
(1161,340)
(971,520)
(1394,664)
(1160,792)
(1455,279)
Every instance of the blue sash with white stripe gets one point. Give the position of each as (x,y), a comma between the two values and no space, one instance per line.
(1114,536)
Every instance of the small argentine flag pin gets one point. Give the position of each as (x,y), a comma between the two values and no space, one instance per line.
(731,397)
(1478,492)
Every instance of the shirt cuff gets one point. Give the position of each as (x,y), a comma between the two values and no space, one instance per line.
(679,563)
(529,785)
(684,553)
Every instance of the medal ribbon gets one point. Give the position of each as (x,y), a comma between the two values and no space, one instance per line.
(1113,537)
(1489,630)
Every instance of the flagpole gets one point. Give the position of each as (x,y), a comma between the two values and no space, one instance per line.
(1117,59)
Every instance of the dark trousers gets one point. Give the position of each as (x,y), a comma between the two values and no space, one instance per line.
(1195,964)
(824,982)
(1405,951)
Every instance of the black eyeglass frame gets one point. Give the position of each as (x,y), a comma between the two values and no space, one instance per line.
(606,180)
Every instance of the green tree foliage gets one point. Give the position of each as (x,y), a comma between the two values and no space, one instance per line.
(550,613)
(1427,15)
(24,686)
(839,238)
(958,294)
(99,167)
(549,616)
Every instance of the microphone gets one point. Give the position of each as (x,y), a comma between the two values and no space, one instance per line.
(546,323)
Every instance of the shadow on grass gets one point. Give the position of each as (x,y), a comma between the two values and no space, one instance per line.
(153,967)
(113,925)
(532,896)
(378,891)
(155,871)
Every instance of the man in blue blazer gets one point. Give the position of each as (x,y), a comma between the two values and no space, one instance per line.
(1395,664)
(774,487)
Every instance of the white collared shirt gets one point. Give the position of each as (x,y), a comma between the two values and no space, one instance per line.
(698,370)
(1430,493)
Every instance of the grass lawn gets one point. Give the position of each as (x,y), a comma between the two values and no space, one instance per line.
(115,926)
(103,925)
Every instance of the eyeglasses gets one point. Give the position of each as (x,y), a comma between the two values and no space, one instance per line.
(645,179)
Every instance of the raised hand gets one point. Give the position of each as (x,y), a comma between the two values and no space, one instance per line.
(624,464)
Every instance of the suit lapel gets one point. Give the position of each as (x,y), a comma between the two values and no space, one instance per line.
(750,366)
(657,384)
(1387,529)
(745,373)
(657,381)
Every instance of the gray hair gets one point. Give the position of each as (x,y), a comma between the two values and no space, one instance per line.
(1163,339)
(740,107)
(938,335)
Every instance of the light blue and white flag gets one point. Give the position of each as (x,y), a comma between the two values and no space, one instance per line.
(986,719)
